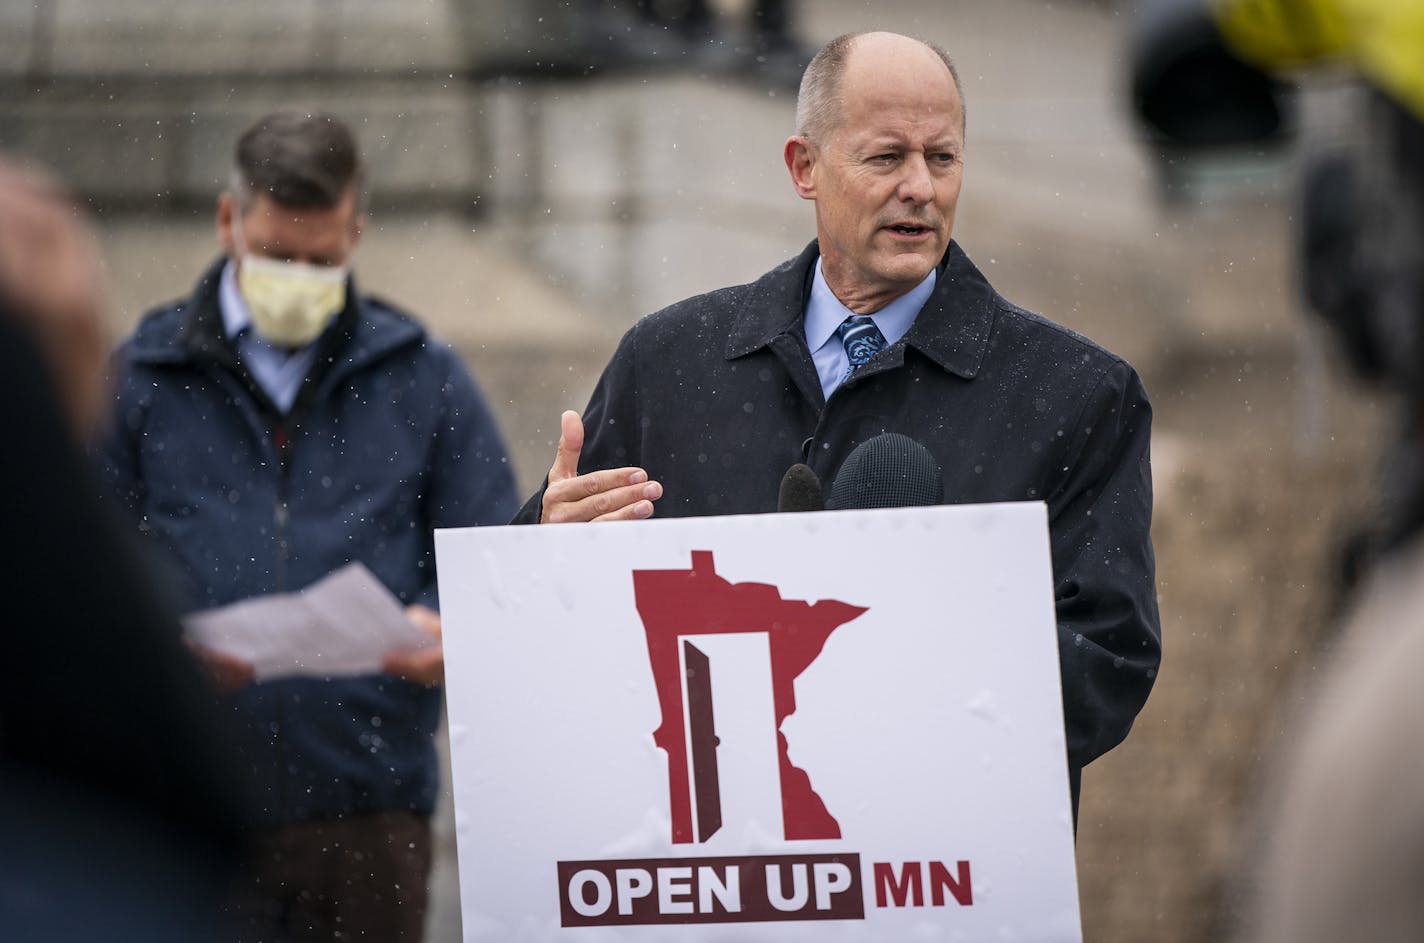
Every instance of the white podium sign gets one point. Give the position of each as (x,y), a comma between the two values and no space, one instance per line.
(830,726)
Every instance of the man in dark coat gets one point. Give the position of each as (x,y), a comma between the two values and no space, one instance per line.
(707,403)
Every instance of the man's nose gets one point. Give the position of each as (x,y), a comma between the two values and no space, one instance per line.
(916,185)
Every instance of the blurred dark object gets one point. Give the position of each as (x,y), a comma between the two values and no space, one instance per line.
(587,38)
(120,819)
(1362,246)
(760,47)
(692,19)
(1192,90)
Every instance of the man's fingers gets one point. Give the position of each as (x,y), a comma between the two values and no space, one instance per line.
(595,483)
(427,619)
(608,495)
(566,457)
(620,494)
(637,511)
(426,666)
(228,672)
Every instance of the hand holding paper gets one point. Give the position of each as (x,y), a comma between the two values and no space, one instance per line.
(425,665)
(228,673)
(345,624)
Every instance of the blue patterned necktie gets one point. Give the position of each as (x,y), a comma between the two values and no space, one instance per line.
(861,339)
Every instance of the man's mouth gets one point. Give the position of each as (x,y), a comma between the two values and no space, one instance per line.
(908,229)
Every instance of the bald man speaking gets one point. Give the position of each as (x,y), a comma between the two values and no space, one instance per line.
(884,325)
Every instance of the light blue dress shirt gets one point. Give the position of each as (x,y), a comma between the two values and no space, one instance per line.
(824,313)
(279,371)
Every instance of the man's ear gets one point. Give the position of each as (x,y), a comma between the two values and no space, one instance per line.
(358,226)
(227,209)
(800,157)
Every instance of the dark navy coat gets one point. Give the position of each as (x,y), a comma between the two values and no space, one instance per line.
(717,396)
(388,439)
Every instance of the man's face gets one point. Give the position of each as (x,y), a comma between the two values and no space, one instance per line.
(886,179)
(314,235)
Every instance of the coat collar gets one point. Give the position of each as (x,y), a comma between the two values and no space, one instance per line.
(952,328)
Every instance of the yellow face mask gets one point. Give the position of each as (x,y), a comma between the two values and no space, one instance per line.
(291,302)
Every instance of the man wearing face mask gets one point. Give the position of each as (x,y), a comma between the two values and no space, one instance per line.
(271,428)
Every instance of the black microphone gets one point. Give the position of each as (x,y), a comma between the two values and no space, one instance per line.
(887,471)
(800,490)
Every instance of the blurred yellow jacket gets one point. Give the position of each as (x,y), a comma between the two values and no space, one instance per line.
(1383,39)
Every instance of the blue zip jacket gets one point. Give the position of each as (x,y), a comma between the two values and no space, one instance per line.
(388,439)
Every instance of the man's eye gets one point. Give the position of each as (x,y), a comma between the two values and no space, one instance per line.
(883,158)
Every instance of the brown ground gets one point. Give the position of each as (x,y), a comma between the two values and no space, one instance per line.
(1247,534)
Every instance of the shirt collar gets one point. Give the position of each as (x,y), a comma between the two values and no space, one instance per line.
(235,316)
(954,330)
(824,311)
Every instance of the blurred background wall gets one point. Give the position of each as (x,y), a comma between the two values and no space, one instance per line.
(529,209)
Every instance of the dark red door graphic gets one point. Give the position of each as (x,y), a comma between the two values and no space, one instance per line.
(702,737)
(696,601)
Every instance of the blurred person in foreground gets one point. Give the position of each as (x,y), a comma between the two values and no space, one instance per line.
(275,426)
(1342,817)
(883,324)
(119,817)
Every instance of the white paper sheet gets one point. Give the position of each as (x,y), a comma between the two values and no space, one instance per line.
(344,624)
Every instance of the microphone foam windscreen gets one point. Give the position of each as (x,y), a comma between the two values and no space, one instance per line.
(800,490)
(888,471)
